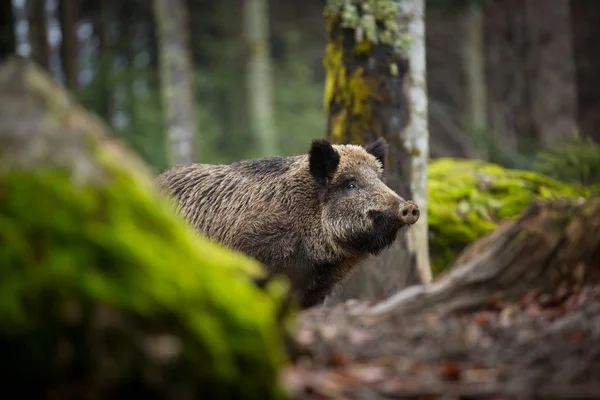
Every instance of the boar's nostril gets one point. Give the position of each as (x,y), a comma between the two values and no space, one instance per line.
(409,212)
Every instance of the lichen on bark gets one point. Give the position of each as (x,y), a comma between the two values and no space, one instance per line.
(365,45)
(104,290)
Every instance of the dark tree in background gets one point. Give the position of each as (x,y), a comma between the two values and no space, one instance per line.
(68,15)
(38,32)
(585,23)
(102,13)
(7,30)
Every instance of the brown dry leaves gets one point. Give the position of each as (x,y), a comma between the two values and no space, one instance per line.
(544,341)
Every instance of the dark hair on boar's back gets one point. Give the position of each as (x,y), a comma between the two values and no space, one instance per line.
(312,217)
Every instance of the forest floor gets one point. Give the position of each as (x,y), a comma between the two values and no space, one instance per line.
(543,346)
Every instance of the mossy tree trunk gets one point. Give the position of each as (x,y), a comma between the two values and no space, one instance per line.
(177,80)
(259,76)
(375,87)
(38,32)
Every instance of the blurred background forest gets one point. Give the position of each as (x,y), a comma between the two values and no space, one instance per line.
(505,78)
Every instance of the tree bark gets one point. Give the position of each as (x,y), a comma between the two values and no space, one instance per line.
(8,40)
(177,83)
(370,93)
(38,32)
(417,131)
(552,246)
(259,76)
(585,15)
(69,49)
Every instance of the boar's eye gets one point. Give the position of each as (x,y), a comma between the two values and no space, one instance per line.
(350,185)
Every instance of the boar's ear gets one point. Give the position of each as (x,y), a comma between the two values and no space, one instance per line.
(323,160)
(378,149)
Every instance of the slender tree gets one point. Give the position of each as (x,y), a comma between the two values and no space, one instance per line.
(375,87)
(38,32)
(258,75)
(177,84)
(102,17)
(8,41)
(416,133)
(69,49)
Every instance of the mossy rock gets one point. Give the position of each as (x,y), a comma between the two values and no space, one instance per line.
(104,291)
(469,198)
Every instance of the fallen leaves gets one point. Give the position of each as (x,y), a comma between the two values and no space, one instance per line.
(493,353)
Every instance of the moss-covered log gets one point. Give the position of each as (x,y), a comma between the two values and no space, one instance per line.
(367,74)
(469,198)
(551,248)
(104,290)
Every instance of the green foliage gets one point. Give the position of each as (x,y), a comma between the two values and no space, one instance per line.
(469,198)
(144,129)
(223,134)
(576,161)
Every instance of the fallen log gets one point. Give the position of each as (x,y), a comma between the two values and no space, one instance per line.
(552,246)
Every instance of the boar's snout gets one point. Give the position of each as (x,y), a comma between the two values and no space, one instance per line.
(409,212)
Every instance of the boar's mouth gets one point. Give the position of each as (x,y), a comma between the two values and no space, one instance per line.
(383,231)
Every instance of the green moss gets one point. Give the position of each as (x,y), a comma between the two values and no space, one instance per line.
(102,286)
(116,246)
(469,198)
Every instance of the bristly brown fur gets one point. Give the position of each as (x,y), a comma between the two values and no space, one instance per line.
(312,217)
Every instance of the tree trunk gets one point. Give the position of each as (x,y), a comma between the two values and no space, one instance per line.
(368,94)
(585,15)
(416,134)
(552,247)
(473,60)
(177,80)
(8,40)
(69,49)
(38,32)
(259,76)
(104,71)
